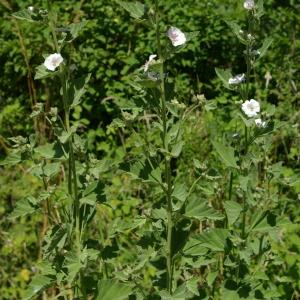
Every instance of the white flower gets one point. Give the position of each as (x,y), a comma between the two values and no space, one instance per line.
(249,4)
(260,123)
(251,108)
(176,36)
(149,62)
(53,61)
(30,8)
(237,79)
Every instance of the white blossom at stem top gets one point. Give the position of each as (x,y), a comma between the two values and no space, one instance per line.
(249,4)
(237,79)
(31,9)
(149,62)
(251,108)
(53,61)
(176,36)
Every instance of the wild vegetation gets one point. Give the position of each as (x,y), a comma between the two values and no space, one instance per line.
(149,150)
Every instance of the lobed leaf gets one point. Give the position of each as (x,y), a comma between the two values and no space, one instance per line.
(199,210)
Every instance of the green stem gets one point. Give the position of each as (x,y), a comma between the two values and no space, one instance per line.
(168,176)
(72,177)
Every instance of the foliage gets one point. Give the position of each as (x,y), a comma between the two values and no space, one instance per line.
(180,195)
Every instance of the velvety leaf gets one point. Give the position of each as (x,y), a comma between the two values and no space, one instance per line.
(215,239)
(226,153)
(76,28)
(111,289)
(37,285)
(50,151)
(42,72)
(224,75)
(177,148)
(23,14)
(56,237)
(233,210)
(77,89)
(136,9)
(265,46)
(12,159)
(199,210)
(23,208)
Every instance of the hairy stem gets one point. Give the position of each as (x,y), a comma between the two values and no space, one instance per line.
(72,178)
(167,171)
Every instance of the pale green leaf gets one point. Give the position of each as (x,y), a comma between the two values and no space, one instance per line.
(226,153)
(224,76)
(233,210)
(111,289)
(177,148)
(12,159)
(77,89)
(37,285)
(50,151)
(76,28)
(214,240)
(42,72)
(23,208)
(23,14)
(199,210)
(136,9)
(265,46)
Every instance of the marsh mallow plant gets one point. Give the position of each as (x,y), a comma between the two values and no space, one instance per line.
(202,236)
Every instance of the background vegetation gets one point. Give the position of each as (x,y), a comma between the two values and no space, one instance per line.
(111,47)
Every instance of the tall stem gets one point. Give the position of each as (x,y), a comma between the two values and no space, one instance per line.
(168,179)
(72,177)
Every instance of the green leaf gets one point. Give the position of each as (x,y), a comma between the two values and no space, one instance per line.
(192,286)
(23,14)
(194,248)
(211,277)
(259,12)
(226,153)
(177,148)
(74,264)
(215,239)
(77,89)
(12,159)
(236,29)
(111,289)
(136,9)
(50,151)
(56,238)
(51,169)
(180,192)
(38,284)
(199,210)
(265,46)
(233,210)
(42,72)
(181,293)
(24,207)
(76,28)
(95,192)
(224,75)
